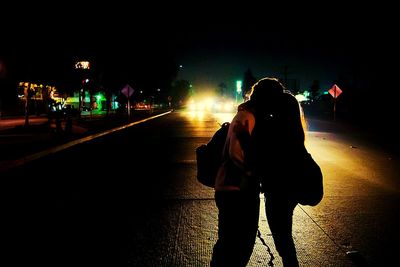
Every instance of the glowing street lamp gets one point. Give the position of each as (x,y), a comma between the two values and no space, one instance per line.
(238,89)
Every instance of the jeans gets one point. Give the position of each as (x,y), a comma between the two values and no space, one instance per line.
(279,212)
(237,228)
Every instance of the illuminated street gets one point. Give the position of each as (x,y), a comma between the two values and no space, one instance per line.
(131,198)
(102,107)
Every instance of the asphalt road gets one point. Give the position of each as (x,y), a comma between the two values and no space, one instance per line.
(130,198)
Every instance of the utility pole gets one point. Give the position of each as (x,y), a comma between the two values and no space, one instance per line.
(285,75)
(26,93)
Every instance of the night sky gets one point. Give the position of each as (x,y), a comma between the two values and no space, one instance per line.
(215,44)
(324,50)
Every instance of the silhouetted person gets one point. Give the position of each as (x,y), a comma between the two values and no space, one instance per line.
(56,114)
(273,140)
(68,120)
(265,140)
(237,196)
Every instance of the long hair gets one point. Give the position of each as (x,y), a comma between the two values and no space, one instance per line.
(265,89)
(269,96)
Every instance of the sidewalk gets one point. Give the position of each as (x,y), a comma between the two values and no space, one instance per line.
(382,133)
(18,141)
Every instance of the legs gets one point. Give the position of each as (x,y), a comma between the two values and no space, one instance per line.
(279,212)
(237,228)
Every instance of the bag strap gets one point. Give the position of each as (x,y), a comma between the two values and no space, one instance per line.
(225,151)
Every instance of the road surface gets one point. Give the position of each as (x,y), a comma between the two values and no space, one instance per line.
(130,198)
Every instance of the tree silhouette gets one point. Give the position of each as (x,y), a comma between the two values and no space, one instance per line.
(222,88)
(248,81)
(314,89)
(180,91)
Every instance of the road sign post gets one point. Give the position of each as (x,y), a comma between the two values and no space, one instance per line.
(335,91)
(128,91)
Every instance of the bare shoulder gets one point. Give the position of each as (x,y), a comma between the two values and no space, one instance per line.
(244,115)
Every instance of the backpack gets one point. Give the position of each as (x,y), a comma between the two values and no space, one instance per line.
(209,156)
(308,185)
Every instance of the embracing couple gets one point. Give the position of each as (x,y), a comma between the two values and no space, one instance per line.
(265,138)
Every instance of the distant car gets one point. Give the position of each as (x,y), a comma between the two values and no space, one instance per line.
(211,104)
(142,106)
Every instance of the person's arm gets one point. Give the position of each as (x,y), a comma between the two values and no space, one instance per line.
(243,135)
(242,126)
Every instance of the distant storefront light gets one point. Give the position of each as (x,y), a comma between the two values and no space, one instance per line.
(82,65)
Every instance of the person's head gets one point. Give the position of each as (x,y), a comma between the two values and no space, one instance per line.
(268,95)
(266,91)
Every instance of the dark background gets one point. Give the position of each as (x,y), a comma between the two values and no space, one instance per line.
(353,46)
